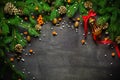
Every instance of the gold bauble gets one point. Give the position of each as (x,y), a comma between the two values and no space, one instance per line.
(36,8)
(76,24)
(113,54)
(83,41)
(55,21)
(18,48)
(54,33)
(69,1)
(78,19)
(11,59)
(28,38)
(31,51)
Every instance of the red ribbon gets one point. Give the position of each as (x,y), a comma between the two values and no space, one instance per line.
(108,41)
(91,13)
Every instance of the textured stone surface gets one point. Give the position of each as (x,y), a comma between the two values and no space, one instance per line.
(63,57)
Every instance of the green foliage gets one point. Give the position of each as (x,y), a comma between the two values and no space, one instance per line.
(54,14)
(102,19)
(58,3)
(72,9)
(46,7)
(32,21)
(5,28)
(33,32)
(82,9)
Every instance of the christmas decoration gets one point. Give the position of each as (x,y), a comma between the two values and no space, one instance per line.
(54,33)
(31,51)
(38,27)
(78,19)
(11,59)
(25,17)
(59,19)
(55,21)
(25,33)
(62,10)
(76,24)
(91,13)
(117,39)
(18,48)
(11,9)
(88,4)
(113,54)
(36,8)
(69,1)
(28,38)
(83,41)
(40,20)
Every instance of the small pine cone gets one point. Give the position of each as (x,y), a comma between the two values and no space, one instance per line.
(10,9)
(88,4)
(117,39)
(38,27)
(18,48)
(62,10)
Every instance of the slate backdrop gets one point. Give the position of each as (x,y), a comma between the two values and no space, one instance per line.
(63,57)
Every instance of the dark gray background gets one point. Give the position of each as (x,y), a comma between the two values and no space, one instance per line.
(63,57)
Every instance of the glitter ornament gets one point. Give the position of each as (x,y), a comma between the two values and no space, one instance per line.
(62,10)
(11,9)
(88,4)
(38,27)
(117,39)
(18,48)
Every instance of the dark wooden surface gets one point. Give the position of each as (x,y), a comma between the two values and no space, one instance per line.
(63,57)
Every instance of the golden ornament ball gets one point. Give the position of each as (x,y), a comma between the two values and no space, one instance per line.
(117,39)
(113,54)
(25,33)
(26,18)
(36,8)
(69,1)
(83,41)
(33,17)
(78,19)
(60,19)
(30,51)
(28,38)
(54,33)
(11,59)
(55,21)
(76,24)
(18,48)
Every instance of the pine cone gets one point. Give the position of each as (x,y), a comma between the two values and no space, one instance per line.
(62,10)
(88,4)
(18,48)
(11,9)
(38,27)
(117,39)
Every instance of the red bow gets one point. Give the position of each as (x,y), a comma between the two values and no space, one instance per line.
(108,41)
(91,13)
